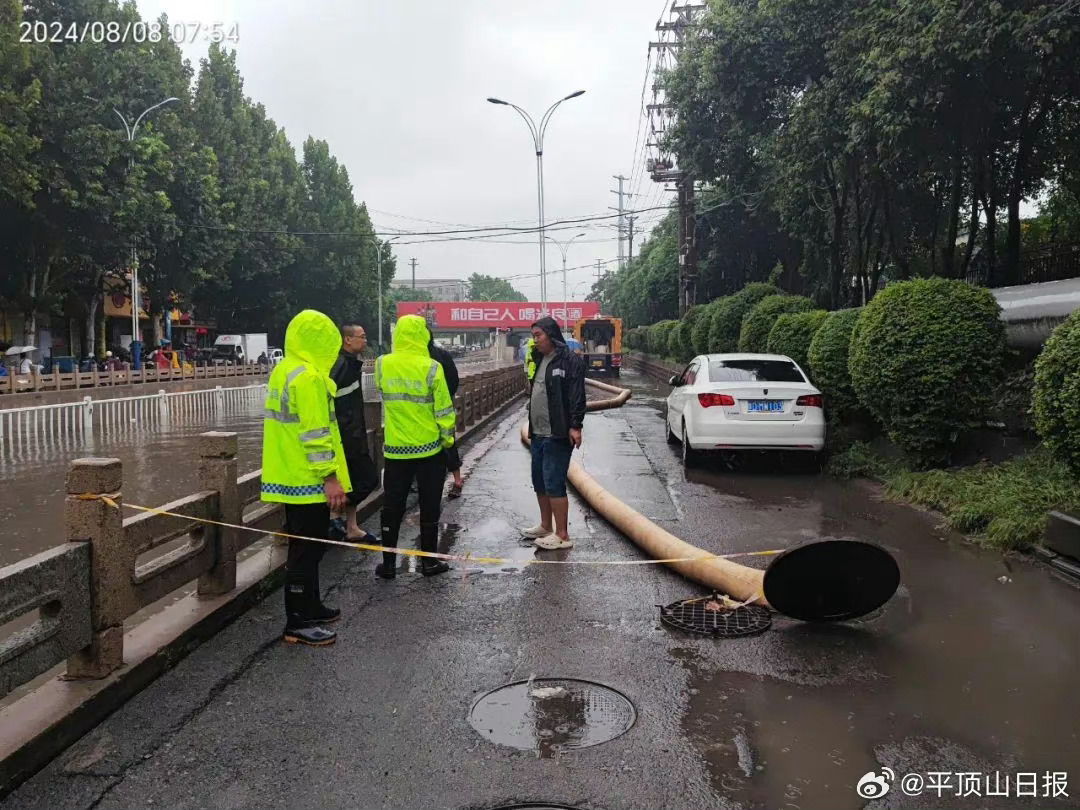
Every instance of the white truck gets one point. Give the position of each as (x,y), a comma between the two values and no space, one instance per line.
(236,350)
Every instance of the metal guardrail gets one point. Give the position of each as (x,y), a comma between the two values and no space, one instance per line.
(34,428)
(60,381)
(1056,262)
(84,590)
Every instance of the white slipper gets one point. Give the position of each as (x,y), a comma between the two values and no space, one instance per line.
(552,542)
(534,532)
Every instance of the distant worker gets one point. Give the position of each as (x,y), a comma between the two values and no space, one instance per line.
(449,367)
(348,376)
(303,467)
(419,439)
(262,361)
(556,415)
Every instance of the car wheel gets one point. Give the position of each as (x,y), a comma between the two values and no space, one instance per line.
(671,437)
(690,456)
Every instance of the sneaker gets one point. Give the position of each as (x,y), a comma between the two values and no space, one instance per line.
(552,542)
(321,615)
(384,571)
(431,568)
(535,532)
(311,636)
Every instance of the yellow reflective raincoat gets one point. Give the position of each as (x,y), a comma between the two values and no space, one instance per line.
(418,410)
(530,364)
(301,442)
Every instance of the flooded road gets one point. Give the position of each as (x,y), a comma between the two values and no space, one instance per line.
(969,670)
(160,463)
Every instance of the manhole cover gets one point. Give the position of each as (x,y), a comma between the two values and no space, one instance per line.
(552,715)
(716,615)
(535,807)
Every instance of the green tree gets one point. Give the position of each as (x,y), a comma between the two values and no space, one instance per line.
(490,288)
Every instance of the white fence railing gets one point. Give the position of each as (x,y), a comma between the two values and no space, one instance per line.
(26,431)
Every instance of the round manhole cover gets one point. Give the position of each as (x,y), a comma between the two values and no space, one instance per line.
(716,615)
(552,715)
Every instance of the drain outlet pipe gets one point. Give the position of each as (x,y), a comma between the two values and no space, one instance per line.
(737,581)
(825,580)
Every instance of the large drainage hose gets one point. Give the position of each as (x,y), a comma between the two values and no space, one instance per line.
(827,580)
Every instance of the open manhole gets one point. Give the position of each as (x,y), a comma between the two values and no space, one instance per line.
(552,715)
(716,615)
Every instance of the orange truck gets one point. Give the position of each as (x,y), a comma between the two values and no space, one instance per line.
(601,341)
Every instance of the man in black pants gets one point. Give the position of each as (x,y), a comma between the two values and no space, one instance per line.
(419,439)
(348,375)
(449,367)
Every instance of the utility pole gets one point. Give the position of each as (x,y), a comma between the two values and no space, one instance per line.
(630,234)
(599,269)
(661,165)
(622,214)
(412,263)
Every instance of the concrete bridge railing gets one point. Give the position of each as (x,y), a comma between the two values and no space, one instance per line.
(112,566)
(59,381)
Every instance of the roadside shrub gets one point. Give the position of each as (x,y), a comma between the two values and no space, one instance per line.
(674,341)
(636,338)
(700,333)
(759,321)
(686,332)
(726,320)
(656,342)
(926,357)
(792,334)
(828,359)
(1057,393)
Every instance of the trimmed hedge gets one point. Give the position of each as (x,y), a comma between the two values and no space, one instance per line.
(658,337)
(828,359)
(726,321)
(926,358)
(700,334)
(686,332)
(759,321)
(1057,393)
(792,334)
(674,341)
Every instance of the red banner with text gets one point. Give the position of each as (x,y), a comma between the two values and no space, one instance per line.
(451,315)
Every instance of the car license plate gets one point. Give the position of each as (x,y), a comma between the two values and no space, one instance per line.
(765,406)
(598,363)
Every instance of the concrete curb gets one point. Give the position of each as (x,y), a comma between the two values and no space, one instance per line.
(42,724)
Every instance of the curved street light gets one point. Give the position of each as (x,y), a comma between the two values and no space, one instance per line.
(563,247)
(136,344)
(537,133)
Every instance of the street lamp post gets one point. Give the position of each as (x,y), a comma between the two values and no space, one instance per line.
(538,144)
(563,247)
(136,344)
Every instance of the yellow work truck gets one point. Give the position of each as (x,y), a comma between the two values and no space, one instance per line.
(601,344)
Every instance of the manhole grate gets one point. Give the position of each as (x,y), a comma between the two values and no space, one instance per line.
(716,615)
(552,715)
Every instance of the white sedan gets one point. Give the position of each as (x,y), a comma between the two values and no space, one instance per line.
(744,402)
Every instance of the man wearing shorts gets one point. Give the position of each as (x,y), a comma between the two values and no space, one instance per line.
(556,415)
(348,375)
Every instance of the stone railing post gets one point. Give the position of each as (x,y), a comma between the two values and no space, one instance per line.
(111,561)
(217,471)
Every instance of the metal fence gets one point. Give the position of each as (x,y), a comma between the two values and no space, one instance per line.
(1057,262)
(28,432)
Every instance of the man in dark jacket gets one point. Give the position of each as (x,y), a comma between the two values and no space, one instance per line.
(556,416)
(348,375)
(449,367)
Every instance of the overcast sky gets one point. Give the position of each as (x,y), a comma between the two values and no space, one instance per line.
(398,90)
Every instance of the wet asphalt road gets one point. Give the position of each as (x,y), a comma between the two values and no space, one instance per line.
(959,672)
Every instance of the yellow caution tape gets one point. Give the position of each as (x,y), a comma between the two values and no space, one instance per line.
(110,499)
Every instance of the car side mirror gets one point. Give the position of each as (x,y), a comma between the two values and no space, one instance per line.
(674,381)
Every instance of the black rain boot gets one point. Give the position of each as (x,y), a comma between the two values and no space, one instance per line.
(429,541)
(387,569)
(300,599)
(320,613)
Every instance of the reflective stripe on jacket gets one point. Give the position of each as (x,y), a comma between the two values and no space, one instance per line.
(418,411)
(301,442)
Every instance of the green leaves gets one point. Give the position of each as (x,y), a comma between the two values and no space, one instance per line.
(490,288)
(1057,393)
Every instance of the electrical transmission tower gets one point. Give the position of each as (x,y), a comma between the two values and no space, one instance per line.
(660,162)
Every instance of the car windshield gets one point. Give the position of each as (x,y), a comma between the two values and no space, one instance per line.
(754,371)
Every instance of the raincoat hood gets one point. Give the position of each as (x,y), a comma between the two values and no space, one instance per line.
(411,336)
(313,338)
(551,327)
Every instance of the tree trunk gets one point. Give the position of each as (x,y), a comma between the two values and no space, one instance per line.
(973,225)
(948,250)
(1029,129)
(90,343)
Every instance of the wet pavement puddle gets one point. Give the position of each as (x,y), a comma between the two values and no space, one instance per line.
(552,715)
